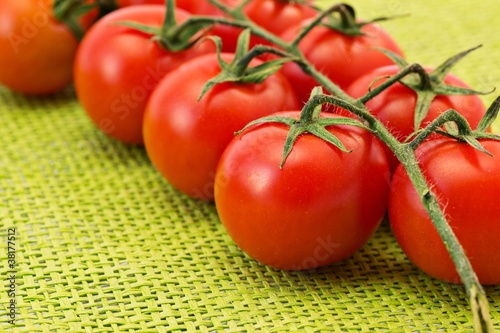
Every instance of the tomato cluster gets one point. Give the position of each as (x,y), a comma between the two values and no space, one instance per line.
(294,189)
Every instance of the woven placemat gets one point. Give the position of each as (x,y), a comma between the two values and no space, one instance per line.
(104,244)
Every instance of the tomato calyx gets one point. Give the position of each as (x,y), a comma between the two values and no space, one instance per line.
(344,22)
(310,122)
(238,71)
(172,36)
(457,127)
(70,11)
(428,85)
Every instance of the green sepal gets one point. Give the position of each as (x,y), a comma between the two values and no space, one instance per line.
(473,142)
(259,73)
(440,72)
(490,116)
(455,126)
(345,22)
(146,29)
(170,35)
(238,71)
(184,36)
(424,100)
(269,119)
(175,40)
(396,58)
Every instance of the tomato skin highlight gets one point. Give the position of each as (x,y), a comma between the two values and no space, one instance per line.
(37,51)
(340,57)
(467,184)
(184,138)
(395,106)
(321,208)
(117,68)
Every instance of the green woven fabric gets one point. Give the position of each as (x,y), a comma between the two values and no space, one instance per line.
(104,244)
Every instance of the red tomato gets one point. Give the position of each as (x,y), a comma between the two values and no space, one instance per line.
(395,106)
(467,184)
(340,57)
(37,50)
(321,208)
(117,68)
(185,138)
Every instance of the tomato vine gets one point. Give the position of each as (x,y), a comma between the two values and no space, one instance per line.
(405,152)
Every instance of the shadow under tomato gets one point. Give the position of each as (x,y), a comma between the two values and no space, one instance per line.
(63,96)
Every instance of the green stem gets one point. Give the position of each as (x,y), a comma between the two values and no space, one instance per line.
(315,22)
(322,79)
(414,68)
(450,115)
(170,20)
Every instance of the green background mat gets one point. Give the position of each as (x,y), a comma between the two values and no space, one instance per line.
(104,244)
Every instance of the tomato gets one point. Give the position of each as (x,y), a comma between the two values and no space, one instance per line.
(321,208)
(37,50)
(340,57)
(395,106)
(184,138)
(466,183)
(117,68)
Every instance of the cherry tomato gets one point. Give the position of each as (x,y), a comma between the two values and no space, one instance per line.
(184,138)
(340,57)
(321,208)
(395,106)
(37,51)
(466,182)
(117,68)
